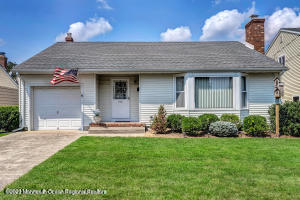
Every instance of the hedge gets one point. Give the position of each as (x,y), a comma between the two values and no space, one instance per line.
(255,125)
(174,122)
(289,118)
(206,119)
(9,118)
(191,126)
(232,118)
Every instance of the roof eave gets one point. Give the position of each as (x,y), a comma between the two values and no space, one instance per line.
(93,70)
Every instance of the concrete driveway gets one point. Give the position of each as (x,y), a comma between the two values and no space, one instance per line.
(20,152)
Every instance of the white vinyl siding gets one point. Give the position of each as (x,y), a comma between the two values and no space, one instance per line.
(260,94)
(155,90)
(88,92)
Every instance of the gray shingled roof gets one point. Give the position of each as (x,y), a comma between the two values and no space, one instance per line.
(149,56)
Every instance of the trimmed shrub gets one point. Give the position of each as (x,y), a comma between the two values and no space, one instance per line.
(9,118)
(191,126)
(223,129)
(232,118)
(159,124)
(206,120)
(255,125)
(289,118)
(174,122)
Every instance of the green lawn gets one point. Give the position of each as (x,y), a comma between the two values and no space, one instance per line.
(3,134)
(161,168)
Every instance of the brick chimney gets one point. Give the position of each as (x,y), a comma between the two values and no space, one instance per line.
(255,33)
(3,60)
(69,38)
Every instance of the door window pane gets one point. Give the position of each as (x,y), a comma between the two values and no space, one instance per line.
(120,90)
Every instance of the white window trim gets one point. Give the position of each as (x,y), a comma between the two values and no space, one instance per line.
(235,88)
(247,92)
(189,79)
(185,92)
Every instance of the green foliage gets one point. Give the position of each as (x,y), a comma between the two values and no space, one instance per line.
(223,129)
(9,117)
(206,119)
(159,124)
(232,118)
(174,122)
(255,125)
(9,67)
(191,126)
(289,118)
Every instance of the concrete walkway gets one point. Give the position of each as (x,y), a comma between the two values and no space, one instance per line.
(20,152)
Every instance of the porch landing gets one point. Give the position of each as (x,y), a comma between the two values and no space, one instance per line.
(119,128)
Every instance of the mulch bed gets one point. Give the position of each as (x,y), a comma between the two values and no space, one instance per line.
(241,134)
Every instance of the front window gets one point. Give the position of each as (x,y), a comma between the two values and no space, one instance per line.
(244,92)
(180,92)
(296,98)
(213,92)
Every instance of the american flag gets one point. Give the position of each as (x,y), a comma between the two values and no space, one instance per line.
(61,75)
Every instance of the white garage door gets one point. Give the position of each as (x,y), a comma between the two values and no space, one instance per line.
(57,108)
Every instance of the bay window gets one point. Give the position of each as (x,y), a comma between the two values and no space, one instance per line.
(213,92)
(180,102)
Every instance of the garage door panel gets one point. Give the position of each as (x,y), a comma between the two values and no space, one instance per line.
(57,108)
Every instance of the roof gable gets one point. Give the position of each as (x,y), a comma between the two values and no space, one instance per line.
(6,80)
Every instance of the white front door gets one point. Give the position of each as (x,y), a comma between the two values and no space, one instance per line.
(56,108)
(120,100)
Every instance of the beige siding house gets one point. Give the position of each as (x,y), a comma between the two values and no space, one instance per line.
(285,49)
(8,87)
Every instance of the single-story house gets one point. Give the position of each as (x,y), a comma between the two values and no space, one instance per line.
(8,86)
(128,81)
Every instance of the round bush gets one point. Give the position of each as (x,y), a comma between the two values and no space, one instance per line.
(206,120)
(191,126)
(174,122)
(223,129)
(255,125)
(232,118)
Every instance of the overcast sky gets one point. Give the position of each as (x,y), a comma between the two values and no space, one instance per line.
(27,27)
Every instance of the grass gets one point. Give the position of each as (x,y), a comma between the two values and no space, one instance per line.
(170,168)
(3,133)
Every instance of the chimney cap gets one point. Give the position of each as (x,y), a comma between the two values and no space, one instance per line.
(253,16)
(2,53)
(69,37)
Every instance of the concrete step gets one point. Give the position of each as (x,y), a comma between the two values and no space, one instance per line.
(116,130)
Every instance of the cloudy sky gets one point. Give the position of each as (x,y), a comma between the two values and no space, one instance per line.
(27,27)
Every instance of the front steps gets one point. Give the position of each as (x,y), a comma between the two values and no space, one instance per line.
(118,129)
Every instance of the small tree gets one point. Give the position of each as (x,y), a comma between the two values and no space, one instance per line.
(159,124)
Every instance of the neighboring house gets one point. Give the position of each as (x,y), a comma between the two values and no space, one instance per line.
(8,87)
(128,81)
(285,49)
